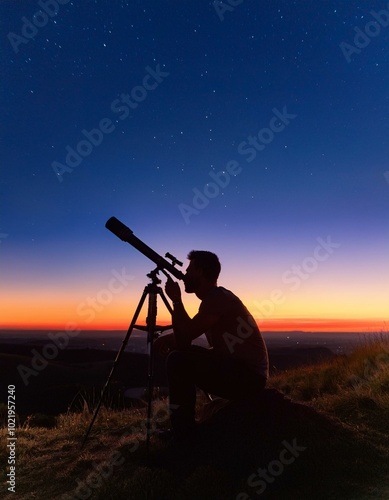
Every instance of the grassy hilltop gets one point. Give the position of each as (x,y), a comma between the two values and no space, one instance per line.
(329,439)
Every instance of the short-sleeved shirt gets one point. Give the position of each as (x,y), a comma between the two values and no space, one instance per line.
(235,335)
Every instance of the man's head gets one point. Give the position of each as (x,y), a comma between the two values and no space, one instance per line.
(203,270)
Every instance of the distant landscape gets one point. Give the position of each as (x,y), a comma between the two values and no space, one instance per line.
(51,379)
(339,343)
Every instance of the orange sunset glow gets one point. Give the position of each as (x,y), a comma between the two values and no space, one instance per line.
(46,312)
(98,303)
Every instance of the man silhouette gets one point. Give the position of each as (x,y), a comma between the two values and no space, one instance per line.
(236,365)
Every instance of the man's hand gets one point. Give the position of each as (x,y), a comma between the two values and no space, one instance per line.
(172,289)
(165,343)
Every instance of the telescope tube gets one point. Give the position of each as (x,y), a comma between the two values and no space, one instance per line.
(125,234)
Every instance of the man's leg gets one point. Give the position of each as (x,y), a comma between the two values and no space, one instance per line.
(183,368)
(200,367)
(229,379)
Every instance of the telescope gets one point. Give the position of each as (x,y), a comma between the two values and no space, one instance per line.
(125,234)
(152,290)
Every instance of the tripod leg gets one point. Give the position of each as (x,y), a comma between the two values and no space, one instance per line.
(151,323)
(116,362)
(165,301)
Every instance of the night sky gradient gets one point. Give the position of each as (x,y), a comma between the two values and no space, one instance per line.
(216,82)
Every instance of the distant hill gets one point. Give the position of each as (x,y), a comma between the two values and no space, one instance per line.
(52,389)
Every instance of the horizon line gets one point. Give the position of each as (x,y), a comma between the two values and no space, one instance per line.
(308,325)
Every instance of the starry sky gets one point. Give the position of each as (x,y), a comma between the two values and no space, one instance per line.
(256,130)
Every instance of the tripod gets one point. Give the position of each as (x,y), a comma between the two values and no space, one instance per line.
(152,290)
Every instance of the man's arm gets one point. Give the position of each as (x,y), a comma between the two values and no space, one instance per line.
(187,329)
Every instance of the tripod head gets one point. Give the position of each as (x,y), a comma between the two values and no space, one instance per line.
(153,275)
